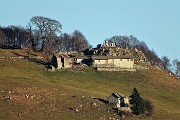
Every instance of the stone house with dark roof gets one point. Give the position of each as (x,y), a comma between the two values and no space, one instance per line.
(61,61)
(119,100)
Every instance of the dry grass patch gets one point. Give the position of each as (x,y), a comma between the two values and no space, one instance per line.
(31,96)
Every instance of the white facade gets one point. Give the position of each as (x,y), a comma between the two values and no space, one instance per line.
(109,44)
(116,61)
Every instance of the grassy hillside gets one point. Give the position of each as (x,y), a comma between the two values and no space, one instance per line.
(29,91)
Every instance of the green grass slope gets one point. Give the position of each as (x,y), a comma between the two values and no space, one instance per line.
(29,91)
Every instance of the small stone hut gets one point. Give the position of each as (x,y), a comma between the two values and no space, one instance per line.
(119,100)
(61,61)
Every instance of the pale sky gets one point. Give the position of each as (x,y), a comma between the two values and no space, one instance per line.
(156,22)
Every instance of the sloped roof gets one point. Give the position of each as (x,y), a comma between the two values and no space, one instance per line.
(117,95)
(112,57)
(81,57)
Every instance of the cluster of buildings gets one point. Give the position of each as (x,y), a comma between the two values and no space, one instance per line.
(101,61)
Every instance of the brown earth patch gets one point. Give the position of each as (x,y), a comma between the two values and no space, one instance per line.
(31,96)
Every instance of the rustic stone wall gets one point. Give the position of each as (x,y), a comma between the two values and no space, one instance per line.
(115,69)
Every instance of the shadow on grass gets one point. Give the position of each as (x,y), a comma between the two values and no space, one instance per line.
(32,54)
(31,59)
(102,100)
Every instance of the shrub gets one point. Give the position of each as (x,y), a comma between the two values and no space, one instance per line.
(149,108)
(124,114)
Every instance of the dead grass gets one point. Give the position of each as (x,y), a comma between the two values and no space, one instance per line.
(31,96)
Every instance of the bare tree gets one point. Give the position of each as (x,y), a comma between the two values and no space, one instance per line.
(79,41)
(165,62)
(132,42)
(15,36)
(176,64)
(31,41)
(2,39)
(45,30)
(64,43)
(153,58)
(72,42)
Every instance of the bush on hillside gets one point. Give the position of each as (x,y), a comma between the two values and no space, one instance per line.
(149,108)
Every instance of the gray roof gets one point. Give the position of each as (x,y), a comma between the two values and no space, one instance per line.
(63,55)
(112,57)
(81,57)
(117,95)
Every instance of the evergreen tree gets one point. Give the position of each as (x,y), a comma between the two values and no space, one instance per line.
(137,103)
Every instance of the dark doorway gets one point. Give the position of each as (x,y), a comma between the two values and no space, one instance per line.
(62,61)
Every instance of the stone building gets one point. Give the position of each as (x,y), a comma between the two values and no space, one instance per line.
(61,61)
(114,63)
(80,59)
(109,44)
(119,100)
